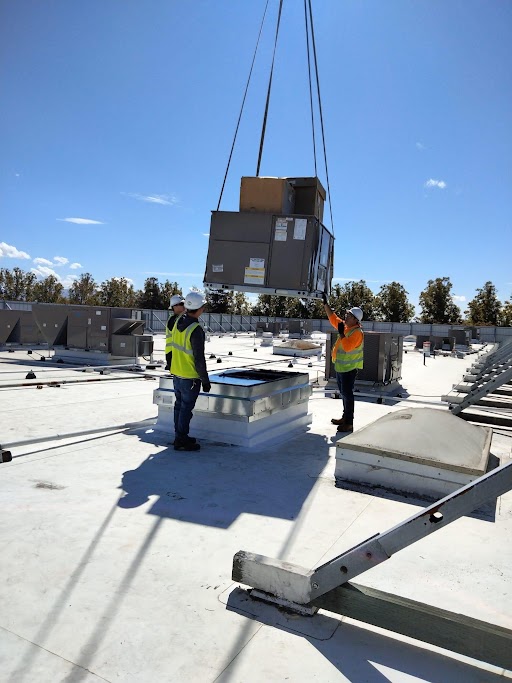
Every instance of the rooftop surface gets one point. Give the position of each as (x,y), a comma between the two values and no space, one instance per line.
(117,550)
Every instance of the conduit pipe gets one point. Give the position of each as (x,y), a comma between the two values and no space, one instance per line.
(58,382)
(84,432)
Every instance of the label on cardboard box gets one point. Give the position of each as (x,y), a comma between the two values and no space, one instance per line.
(218,269)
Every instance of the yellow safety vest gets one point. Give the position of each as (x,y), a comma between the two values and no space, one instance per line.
(182,364)
(349,360)
(168,337)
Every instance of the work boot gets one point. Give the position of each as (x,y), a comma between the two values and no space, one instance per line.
(344,428)
(192,439)
(186,444)
(341,421)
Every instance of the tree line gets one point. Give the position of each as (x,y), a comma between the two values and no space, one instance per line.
(390,304)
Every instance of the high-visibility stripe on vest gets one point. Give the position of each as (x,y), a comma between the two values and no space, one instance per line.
(182,364)
(168,337)
(349,360)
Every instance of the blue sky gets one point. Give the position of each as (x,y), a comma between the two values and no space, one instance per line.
(117,117)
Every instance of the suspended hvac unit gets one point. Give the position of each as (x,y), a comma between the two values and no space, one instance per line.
(277,245)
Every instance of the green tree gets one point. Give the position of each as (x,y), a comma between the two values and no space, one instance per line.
(437,304)
(485,308)
(304,309)
(117,292)
(150,295)
(48,291)
(218,301)
(168,289)
(16,284)
(506,314)
(354,294)
(84,291)
(270,305)
(392,304)
(239,304)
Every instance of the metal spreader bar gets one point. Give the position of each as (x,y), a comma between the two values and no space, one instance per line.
(295,584)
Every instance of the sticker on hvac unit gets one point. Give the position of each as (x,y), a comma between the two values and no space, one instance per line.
(218,269)
(301,225)
(255,272)
(281,231)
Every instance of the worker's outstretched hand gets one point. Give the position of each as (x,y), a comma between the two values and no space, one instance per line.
(206,387)
(324,297)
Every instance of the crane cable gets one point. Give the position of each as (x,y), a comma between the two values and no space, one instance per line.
(320,110)
(310,85)
(264,125)
(242,107)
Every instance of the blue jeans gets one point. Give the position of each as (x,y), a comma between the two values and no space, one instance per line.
(186,392)
(346,381)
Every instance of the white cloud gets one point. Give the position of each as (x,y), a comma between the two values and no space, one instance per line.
(42,261)
(81,221)
(60,260)
(205,234)
(44,271)
(128,280)
(68,280)
(9,251)
(457,297)
(165,199)
(420,146)
(435,183)
(74,266)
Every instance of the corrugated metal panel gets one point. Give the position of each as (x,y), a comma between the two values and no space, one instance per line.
(440,330)
(502,333)
(17,305)
(402,328)
(421,328)
(487,334)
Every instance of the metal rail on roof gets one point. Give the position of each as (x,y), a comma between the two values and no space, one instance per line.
(328,586)
(489,373)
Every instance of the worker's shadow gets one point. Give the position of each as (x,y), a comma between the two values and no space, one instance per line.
(216,485)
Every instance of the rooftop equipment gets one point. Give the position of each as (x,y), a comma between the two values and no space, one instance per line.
(382,360)
(245,407)
(105,334)
(19,328)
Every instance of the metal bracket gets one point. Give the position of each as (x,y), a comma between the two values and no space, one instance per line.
(300,585)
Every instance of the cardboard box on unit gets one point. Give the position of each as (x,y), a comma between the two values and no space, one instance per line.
(266,195)
(309,197)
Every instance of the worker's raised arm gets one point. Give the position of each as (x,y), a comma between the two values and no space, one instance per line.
(333,318)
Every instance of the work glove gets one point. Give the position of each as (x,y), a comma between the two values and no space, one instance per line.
(206,387)
(324,297)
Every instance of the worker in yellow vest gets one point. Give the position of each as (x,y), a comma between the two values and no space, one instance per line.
(177,306)
(347,356)
(188,367)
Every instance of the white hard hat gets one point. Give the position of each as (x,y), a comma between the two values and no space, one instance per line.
(194,300)
(356,312)
(176,300)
